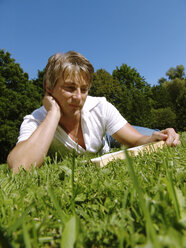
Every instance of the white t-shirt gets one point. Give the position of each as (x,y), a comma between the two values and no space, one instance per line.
(98,116)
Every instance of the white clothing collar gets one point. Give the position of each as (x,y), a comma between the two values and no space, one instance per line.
(90,103)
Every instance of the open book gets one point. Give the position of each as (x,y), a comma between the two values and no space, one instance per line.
(148,148)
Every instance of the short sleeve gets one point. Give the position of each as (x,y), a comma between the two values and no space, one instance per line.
(31,122)
(28,126)
(114,120)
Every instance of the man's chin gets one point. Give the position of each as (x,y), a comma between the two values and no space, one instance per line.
(75,111)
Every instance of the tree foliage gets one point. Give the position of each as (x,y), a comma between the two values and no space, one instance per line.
(18,97)
(171,93)
(178,72)
(127,90)
(136,95)
(104,85)
(163,117)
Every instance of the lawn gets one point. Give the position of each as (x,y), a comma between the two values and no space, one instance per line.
(137,202)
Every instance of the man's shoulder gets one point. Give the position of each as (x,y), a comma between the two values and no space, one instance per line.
(38,114)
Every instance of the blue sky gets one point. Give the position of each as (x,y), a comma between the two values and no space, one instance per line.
(149,35)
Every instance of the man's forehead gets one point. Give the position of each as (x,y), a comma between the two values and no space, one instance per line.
(75,82)
(73,79)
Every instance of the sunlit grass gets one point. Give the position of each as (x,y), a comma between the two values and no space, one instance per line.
(139,202)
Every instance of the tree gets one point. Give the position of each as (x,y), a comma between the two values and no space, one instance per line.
(163,118)
(104,85)
(130,78)
(38,83)
(171,93)
(177,72)
(176,89)
(18,97)
(160,97)
(136,95)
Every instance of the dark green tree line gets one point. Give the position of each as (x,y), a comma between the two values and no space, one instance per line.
(127,90)
(105,85)
(18,97)
(170,95)
(136,95)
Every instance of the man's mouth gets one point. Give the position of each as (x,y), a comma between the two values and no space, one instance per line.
(74,106)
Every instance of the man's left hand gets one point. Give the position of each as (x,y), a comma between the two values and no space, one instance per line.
(169,135)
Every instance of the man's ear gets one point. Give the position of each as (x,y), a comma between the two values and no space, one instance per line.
(48,90)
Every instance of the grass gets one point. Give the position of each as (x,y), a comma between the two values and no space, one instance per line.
(139,202)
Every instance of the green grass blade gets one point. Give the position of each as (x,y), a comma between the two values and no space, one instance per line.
(171,190)
(19,221)
(149,225)
(53,198)
(26,236)
(72,179)
(70,233)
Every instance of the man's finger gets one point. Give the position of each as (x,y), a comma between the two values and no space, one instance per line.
(159,136)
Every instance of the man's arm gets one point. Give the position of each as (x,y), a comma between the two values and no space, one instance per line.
(33,150)
(128,135)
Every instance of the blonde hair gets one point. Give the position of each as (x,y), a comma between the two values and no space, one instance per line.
(71,64)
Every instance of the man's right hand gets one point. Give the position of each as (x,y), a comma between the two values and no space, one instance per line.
(51,104)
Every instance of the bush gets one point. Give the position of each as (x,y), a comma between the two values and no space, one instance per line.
(163,118)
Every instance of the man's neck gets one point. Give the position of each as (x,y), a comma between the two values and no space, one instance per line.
(70,123)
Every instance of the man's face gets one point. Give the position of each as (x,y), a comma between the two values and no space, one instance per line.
(70,94)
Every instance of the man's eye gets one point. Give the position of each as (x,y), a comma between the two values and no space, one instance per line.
(73,88)
(70,88)
(84,90)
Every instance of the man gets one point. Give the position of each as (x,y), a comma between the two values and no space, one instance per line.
(70,119)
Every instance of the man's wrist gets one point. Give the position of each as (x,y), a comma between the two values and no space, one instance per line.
(54,113)
(145,139)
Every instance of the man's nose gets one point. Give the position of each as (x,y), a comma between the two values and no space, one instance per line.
(77,93)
